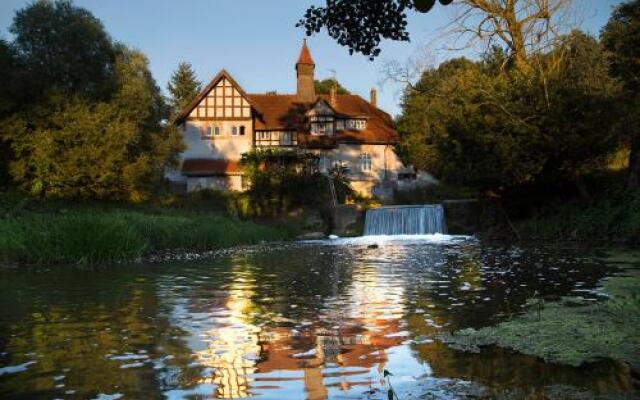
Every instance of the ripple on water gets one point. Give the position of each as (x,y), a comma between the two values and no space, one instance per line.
(314,319)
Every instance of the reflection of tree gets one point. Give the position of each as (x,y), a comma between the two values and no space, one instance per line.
(88,342)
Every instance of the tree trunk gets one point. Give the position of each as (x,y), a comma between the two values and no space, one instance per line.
(633,181)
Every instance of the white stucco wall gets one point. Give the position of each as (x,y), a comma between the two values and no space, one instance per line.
(222,147)
(385,164)
(224,183)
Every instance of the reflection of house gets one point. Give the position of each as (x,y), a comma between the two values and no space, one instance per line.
(246,357)
(224,122)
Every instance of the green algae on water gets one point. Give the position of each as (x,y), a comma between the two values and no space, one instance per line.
(567,333)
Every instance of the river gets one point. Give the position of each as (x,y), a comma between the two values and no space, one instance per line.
(307,320)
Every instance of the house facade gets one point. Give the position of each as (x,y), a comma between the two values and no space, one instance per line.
(224,121)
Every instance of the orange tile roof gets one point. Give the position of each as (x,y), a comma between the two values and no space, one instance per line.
(208,166)
(284,112)
(305,55)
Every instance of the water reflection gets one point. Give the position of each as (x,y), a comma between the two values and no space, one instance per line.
(309,321)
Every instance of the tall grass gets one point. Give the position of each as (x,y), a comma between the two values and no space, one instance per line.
(94,234)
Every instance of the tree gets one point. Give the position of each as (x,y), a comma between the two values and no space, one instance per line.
(71,147)
(183,87)
(9,95)
(324,86)
(621,36)
(474,123)
(455,126)
(520,25)
(65,48)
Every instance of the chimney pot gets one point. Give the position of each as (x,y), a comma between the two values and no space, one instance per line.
(374,97)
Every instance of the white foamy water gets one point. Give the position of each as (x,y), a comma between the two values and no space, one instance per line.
(436,238)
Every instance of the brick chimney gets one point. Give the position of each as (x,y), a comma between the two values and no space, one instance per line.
(374,97)
(333,95)
(305,67)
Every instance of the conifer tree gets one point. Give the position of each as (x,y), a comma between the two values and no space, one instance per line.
(183,87)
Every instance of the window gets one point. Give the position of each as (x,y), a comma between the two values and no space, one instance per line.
(216,130)
(340,125)
(234,130)
(242,130)
(324,163)
(205,132)
(286,138)
(262,135)
(322,125)
(358,124)
(365,162)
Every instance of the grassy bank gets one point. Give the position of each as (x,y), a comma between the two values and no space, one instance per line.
(570,332)
(92,233)
(612,217)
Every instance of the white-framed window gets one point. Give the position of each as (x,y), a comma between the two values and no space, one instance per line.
(365,162)
(208,132)
(264,135)
(322,125)
(358,124)
(234,130)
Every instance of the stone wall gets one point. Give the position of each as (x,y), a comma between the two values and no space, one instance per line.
(347,220)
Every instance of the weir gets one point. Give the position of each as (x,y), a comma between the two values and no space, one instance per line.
(405,220)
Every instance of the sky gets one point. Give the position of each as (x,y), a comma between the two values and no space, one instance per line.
(257,42)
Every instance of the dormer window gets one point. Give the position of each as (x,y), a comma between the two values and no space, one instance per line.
(358,124)
(322,125)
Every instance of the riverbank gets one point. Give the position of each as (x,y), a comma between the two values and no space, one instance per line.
(102,233)
(570,331)
(611,217)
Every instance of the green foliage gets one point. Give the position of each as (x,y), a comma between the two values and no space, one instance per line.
(281,180)
(183,87)
(612,215)
(90,121)
(65,48)
(324,86)
(484,125)
(433,194)
(92,234)
(69,147)
(621,36)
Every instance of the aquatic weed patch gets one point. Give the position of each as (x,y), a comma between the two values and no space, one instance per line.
(564,332)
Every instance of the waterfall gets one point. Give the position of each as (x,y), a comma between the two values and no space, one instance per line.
(405,220)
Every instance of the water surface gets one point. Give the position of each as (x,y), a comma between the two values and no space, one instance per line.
(308,320)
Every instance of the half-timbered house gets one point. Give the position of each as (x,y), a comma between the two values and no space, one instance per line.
(224,121)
